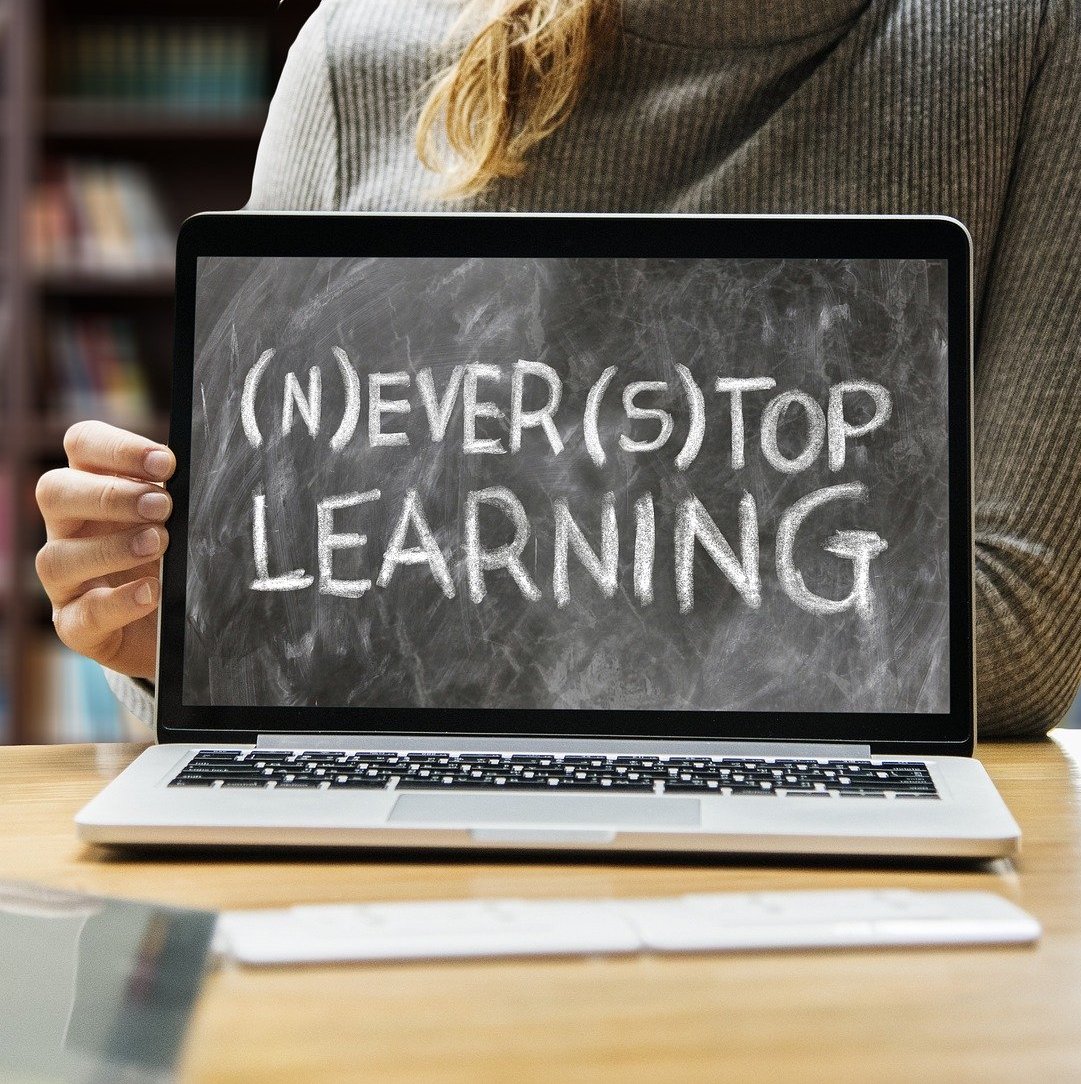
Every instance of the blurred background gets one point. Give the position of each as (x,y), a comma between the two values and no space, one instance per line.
(118,119)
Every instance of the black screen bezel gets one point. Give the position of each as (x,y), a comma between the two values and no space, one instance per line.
(569,235)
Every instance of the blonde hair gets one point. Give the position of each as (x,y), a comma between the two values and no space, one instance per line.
(514,84)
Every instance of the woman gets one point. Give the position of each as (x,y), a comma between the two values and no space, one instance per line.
(962,108)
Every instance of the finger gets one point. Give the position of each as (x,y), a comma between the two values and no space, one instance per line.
(65,564)
(103,449)
(93,623)
(73,495)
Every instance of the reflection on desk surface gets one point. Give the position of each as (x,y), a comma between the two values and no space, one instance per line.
(95,989)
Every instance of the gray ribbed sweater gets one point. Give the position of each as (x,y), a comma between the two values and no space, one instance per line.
(964,107)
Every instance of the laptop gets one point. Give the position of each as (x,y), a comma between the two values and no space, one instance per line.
(568,532)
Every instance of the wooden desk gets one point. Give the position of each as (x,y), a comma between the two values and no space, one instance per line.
(956,1014)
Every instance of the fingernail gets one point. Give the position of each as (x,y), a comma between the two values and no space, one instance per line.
(153,506)
(158,463)
(143,595)
(145,543)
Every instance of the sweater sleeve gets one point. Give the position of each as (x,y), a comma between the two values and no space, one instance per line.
(1028,412)
(135,694)
(297,165)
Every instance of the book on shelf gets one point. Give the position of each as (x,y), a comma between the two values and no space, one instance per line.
(73,700)
(91,216)
(92,367)
(7,538)
(7,306)
(7,578)
(188,67)
(5,690)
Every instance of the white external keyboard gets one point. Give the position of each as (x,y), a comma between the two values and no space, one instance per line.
(713,922)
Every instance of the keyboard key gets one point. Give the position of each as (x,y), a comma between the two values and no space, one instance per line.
(781,777)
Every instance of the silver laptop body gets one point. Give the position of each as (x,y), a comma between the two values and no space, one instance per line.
(623,532)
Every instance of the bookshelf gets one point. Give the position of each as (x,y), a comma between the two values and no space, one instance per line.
(17,28)
(75,121)
(117,121)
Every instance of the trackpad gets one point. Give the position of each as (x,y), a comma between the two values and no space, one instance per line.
(618,811)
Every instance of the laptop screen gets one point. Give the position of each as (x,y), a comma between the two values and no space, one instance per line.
(617,484)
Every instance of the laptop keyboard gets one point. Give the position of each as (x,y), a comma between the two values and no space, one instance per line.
(286,769)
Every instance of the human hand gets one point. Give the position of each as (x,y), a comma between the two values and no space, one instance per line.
(99,566)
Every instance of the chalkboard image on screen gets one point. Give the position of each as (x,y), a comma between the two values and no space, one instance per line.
(631,484)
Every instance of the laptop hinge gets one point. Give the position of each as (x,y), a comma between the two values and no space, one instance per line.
(618,746)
